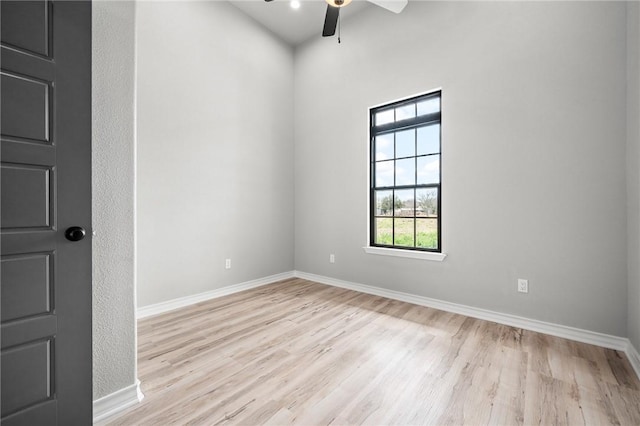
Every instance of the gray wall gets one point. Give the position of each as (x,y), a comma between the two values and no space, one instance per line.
(534,144)
(114,348)
(215,149)
(633,166)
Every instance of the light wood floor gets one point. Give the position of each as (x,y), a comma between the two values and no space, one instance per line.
(297,352)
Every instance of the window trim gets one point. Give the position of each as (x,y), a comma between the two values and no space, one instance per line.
(411,254)
(436,254)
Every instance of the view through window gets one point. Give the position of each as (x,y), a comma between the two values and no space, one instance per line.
(405,174)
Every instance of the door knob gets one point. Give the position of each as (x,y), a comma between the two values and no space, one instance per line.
(75,233)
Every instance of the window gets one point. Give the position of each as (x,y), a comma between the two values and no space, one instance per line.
(405,174)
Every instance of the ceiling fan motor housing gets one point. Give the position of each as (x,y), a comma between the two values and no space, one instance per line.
(338,3)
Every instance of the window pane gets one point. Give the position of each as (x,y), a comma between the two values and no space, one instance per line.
(429,106)
(384,147)
(405,203)
(428,169)
(403,232)
(384,173)
(427,202)
(429,140)
(427,233)
(384,117)
(384,203)
(404,112)
(383,231)
(406,172)
(406,143)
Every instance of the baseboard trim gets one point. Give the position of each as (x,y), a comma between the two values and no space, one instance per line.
(571,333)
(116,402)
(634,358)
(170,305)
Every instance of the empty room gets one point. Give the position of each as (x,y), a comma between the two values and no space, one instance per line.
(320,212)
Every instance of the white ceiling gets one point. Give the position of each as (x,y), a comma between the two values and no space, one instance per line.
(295,26)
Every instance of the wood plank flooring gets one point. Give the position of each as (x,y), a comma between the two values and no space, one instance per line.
(298,352)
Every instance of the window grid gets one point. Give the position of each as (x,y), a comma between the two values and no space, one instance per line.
(422,213)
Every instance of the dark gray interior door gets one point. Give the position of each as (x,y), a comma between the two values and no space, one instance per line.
(45,127)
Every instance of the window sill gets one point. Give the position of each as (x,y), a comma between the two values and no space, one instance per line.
(412,254)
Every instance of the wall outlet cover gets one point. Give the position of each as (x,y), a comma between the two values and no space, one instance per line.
(523,286)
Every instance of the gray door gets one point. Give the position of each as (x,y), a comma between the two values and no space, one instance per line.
(45,128)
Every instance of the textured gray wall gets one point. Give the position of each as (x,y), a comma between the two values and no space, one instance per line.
(114,350)
(633,166)
(215,149)
(534,144)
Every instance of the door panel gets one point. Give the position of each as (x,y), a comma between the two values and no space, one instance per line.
(26,375)
(25,108)
(26,26)
(26,286)
(45,134)
(26,196)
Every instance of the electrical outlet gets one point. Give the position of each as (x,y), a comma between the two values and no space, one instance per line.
(523,285)
(227,264)
(332,258)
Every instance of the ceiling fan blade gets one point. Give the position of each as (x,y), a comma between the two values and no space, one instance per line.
(396,6)
(330,21)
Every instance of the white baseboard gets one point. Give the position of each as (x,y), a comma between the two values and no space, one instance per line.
(170,305)
(571,333)
(634,358)
(116,402)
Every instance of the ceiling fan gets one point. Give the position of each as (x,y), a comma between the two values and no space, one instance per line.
(333,12)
